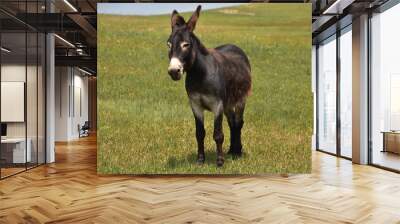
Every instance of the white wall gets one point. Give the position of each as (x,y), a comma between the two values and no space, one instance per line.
(13,101)
(70,83)
(13,72)
(62,82)
(79,117)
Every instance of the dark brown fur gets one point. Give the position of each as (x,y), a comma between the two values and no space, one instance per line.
(237,86)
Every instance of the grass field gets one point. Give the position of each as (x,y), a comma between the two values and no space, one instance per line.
(145,122)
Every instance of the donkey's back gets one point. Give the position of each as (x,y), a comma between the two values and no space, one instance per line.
(237,72)
(233,51)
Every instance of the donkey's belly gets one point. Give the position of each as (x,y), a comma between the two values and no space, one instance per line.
(203,102)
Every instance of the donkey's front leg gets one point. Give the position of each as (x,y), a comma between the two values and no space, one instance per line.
(218,134)
(198,113)
(200,134)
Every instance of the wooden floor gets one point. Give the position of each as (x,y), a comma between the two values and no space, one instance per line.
(5,172)
(387,159)
(69,191)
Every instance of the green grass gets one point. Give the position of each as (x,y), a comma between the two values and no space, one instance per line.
(145,122)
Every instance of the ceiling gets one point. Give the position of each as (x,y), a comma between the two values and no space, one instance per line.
(74,22)
(330,15)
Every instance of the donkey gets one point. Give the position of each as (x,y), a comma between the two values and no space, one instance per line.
(217,80)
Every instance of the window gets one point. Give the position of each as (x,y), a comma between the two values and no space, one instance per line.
(22,78)
(385,89)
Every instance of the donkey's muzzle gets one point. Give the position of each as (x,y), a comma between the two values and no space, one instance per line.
(175,73)
(175,68)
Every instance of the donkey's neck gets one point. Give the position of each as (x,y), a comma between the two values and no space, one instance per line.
(202,58)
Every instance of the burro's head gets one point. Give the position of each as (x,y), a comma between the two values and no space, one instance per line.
(181,44)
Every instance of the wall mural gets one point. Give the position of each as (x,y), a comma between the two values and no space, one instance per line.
(209,89)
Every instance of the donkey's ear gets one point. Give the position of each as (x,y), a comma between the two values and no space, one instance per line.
(191,24)
(176,19)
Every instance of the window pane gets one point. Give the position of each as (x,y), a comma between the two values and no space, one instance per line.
(327,95)
(31,97)
(346,92)
(41,98)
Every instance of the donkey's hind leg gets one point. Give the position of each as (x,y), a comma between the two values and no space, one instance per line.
(230,115)
(235,119)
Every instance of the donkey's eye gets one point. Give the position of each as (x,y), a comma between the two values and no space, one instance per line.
(185,45)
(169,44)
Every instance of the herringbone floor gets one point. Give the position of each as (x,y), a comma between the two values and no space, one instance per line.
(69,191)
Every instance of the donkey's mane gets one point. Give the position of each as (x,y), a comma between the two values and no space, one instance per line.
(200,45)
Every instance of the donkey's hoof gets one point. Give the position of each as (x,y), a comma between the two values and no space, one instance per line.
(201,159)
(220,162)
(235,153)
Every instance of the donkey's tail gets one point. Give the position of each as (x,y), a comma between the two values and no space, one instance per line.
(250,92)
